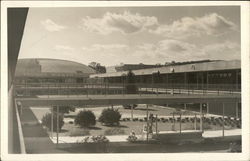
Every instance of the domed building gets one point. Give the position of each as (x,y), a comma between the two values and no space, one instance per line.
(51,71)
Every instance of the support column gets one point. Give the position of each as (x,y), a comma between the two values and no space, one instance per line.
(25,87)
(57,125)
(201,117)
(147,123)
(197,79)
(156,125)
(185,80)
(207,81)
(185,106)
(132,112)
(195,122)
(237,110)
(21,110)
(236,80)
(52,121)
(207,108)
(167,80)
(223,121)
(180,123)
(173,122)
(152,82)
(123,84)
(202,80)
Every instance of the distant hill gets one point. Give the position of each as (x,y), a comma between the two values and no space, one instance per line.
(36,66)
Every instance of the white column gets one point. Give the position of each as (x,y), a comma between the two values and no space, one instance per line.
(132,112)
(237,110)
(147,123)
(223,126)
(180,123)
(195,121)
(156,124)
(52,121)
(57,125)
(201,117)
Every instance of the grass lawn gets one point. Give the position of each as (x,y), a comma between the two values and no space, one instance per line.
(69,129)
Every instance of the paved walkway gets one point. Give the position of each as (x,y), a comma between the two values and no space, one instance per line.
(36,138)
(75,139)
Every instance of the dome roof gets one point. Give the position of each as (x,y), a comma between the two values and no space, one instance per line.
(31,67)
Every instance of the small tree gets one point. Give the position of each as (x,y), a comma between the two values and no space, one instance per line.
(85,118)
(46,121)
(110,116)
(131,88)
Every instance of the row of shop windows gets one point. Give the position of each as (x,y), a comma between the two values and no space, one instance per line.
(221,75)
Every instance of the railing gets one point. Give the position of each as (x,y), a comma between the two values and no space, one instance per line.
(124,88)
(20,131)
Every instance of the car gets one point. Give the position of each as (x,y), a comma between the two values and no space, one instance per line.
(129,106)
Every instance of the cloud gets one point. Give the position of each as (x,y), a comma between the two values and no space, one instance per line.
(210,24)
(125,23)
(63,48)
(160,52)
(51,26)
(107,54)
(225,50)
(103,47)
(169,49)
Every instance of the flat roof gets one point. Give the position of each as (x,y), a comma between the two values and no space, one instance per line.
(195,67)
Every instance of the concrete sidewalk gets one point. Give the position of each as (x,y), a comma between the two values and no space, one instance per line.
(218,133)
(36,138)
(75,139)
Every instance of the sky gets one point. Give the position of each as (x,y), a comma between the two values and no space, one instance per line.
(129,35)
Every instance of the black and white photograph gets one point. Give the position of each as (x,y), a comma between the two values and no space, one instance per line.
(135,80)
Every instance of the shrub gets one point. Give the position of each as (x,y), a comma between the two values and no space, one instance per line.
(85,118)
(96,139)
(114,131)
(46,121)
(132,138)
(110,116)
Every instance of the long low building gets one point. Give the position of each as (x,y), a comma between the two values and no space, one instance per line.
(210,75)
(212,72)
